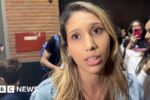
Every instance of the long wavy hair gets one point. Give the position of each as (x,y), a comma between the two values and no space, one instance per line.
(67,80)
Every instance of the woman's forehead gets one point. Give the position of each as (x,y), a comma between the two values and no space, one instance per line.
(82,17)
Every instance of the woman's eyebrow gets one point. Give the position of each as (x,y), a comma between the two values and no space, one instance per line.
(74,30)
(97,23)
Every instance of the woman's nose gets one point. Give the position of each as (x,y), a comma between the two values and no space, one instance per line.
(90,43)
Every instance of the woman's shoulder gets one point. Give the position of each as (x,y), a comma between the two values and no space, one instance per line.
(44,91)
(131,78)
(135,89)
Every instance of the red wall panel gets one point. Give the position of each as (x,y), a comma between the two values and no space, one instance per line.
(26,42)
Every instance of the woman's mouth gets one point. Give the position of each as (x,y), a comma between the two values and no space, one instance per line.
(92,61)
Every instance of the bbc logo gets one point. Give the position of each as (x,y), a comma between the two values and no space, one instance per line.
(7,89)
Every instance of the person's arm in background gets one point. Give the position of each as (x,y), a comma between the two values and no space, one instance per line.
(47,54)
(132,41)
(44,60)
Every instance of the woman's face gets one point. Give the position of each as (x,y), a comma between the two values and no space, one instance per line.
(136,25)
(147,36)
(123,33)
(88,42)
(137,29)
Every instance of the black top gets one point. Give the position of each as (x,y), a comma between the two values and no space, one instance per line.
(53,47)
(140,43)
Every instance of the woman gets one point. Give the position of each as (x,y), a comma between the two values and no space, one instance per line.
(143,69)
(135,50)
(92,69)
(136,30)
(10,76)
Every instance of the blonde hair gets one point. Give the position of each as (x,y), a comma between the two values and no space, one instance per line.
(67,80)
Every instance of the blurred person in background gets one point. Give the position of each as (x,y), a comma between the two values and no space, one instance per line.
(10,75)
(134,48)
(137,33)
(50,55)
(137,58)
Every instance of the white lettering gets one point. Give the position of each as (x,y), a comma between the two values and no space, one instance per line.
(25,88)
(30,89)
(10,89)
(2,89)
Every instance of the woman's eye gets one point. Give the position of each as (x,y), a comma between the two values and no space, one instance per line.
(75,36)
(97,30)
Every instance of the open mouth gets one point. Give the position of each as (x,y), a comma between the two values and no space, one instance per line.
(95,60)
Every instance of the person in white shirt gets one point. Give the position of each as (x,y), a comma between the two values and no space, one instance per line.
(137,60)
(134,52)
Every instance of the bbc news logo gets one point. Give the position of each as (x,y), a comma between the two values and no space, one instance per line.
(13,89)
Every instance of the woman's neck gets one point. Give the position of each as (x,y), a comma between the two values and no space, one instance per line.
(93,92)
(93,86)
